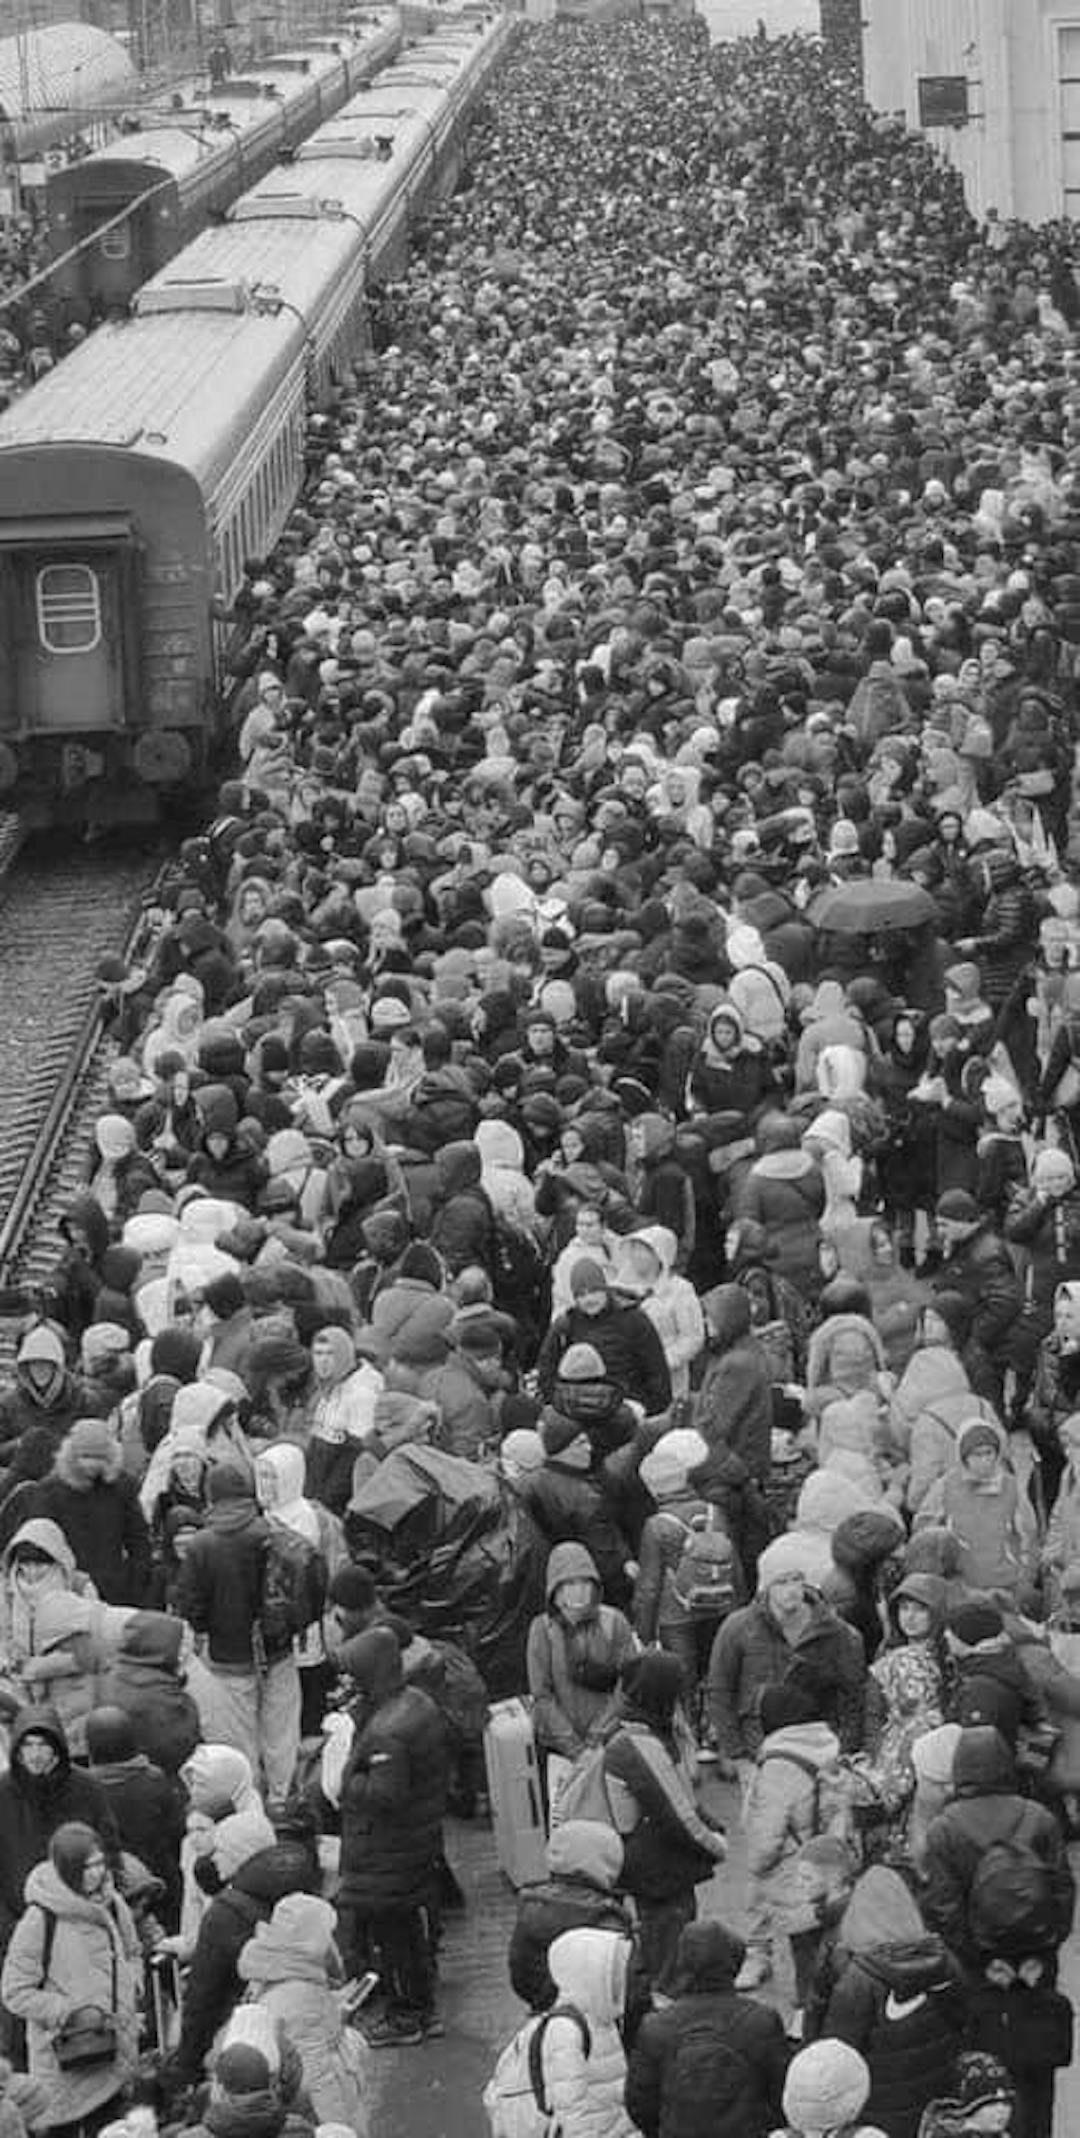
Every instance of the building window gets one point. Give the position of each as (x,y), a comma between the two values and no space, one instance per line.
(943,100)
(68,608)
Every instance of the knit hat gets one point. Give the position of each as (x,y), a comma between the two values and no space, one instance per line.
(784,1707)
(932,1754)
(587,1276)
(241,2069)
(827,2085)
(582,1362)
(784,1556)
(667,1466)
(708,1956)
(1053,1172)
(958,1205)
(977,1433)
(976,1621)
(91,1436)
(521,1453)
(227,1483)
(101,1342)
(963,981)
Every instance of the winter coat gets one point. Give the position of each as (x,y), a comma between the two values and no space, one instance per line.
(585,1862)
(94,1961)
(980,1268)
(660,1549)
(932,1443)
(393,1792)
(674,1309)
(1050,1234)
(750,1652)
(33,1806)
(147,1808)
(586,2092)
(226,1826)
(410,1321)
(462,1227)
(569,1506)
(902,2007)
(145,1680)
(293,1987)
(104,1526)
(213,1984)
(673,2042)
(985,1809)
(785,1806)
(785,1194)
(220,1583)
(628,1344)
(467,1408)
(573,1670)
(733,1407)
(992,1523)
(670,1849)
(913,1686)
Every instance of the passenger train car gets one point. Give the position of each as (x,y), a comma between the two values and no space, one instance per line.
(173,176)
(137,477)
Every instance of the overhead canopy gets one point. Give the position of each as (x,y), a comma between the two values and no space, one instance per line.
(50,77)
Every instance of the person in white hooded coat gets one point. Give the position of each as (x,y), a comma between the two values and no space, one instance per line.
(226,1825)
(585,2090)
(293,1970)
(645,1268)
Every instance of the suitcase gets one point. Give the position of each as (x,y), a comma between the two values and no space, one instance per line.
(161,2017)
(513,1779)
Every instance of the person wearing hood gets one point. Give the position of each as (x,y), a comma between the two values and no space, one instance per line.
(1045,1221)
(96,1507)
(226,1163)
(978,1499)
(412,1313)
(245,1699)
(44,1392)
(212,1984)
(669,1846)
(146,1803)
(826,2091)
(462,1225)
(622,1334)
(253,2090)
(981,2096)
(468,1388)
(828,1140)
(1055,1391)
(786,1632)
(897,1998)
(73,1286)
(976,1263)
(733,1406)
(565,1498)
(226,1823)
(75,1947)
(661,1613)
(990,1681)
(58,1633)
(584,2078)
(787,1804)
(575,1651)
(784,1193)
(592,1239)
(584,1862)
(293,1973)
(146,1680)
(342,1415)
(393,1800)
(731,1073)
(712,2063)
(227,1324)
(646,1274)
(661,1192)
(912,1672)
(988,1809)
(279,1482)
(41,1790)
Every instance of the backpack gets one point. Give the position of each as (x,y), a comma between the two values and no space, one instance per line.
(1017,1899)
(514,2097)
(709,2084)
(703,1580)
(293,1588)
(516,1263)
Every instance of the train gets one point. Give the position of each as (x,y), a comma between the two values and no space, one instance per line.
(137,478)
(152,189)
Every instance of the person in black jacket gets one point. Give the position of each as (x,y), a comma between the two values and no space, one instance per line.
(622,1334)
(41,1791)
(212,1985)
(898,1998)
(712,2063)
(393,1798)
(96,1505)
(584,1861)
(148,1807)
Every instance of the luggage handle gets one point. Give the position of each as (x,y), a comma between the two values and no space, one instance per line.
(534,1802)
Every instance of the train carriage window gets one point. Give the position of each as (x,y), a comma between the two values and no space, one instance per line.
(116,244)
(68,608)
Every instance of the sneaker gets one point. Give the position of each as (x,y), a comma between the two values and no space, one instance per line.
(391,2033)
(755,1970)
(432,2026)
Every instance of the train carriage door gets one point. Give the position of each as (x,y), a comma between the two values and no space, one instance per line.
(70,641)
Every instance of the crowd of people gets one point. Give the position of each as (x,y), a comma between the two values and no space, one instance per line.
(607,1084)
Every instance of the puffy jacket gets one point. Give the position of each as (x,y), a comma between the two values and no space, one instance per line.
(103,1524)
(220,1583)
(670,1848)
(902,2007)
(785,1804)
(287,1974)
(628,1344)
(568,1506)
(585,1863)
(784,1192)
(146,1681)
(33,1806)
(93,1961)
(981,1269)
(393,1792)
(573,1671)
(586,2090)
(462,1228)
(213,1983)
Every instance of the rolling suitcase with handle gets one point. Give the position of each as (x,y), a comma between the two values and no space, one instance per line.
(513,1778)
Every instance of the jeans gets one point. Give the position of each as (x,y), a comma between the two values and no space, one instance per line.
(397,1944)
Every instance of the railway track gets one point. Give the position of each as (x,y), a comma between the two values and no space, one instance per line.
(60,912)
